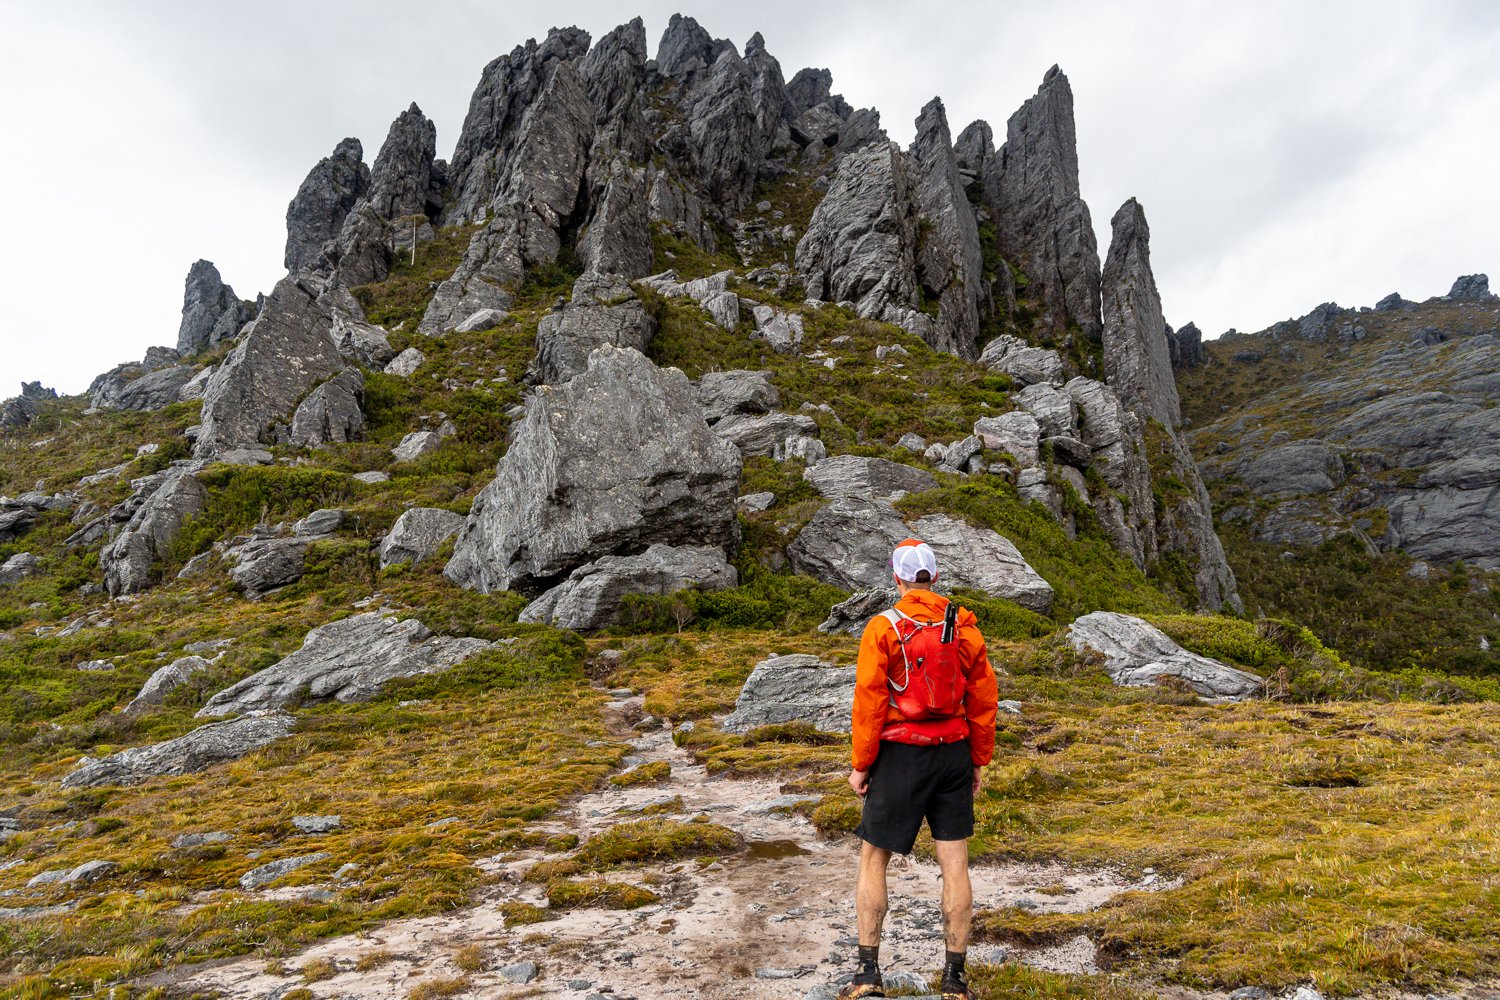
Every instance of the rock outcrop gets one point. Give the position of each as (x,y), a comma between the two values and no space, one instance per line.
(417,534)
(288,352)
(168,499)
(950,263)
(594,595)
(848,544)
(333,413)
(1137,654)
(211,312)
(791,689)
(19,411)
(603,310)
(346,661)
(866,478)
(401,182)
(1042,224)
(127,387)
(216,743)
(608,463)
(317,213)
(164,681)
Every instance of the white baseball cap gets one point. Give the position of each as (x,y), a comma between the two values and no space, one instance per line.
(910,558)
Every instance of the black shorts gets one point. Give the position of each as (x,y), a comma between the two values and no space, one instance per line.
(909,784)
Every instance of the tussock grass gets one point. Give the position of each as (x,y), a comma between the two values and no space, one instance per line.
(645,774)
(573,894)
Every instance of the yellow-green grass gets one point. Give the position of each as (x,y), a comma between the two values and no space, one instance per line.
(646,774)
(490,760)
(573,894)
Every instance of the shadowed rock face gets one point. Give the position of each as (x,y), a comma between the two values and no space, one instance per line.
(317,212)
(607,463)
(1041,220)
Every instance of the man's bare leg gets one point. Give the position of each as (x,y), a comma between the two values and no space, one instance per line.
(958,906)
(870,898)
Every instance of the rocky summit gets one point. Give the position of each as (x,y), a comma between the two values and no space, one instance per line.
(506,563)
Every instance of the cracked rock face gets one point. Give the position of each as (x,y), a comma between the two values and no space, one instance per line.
(333,413)
(1136,654)
(346,661)
(144,540)
(604,310)
(417,534)
(608,463)
(216,743)
(594,595)
(950,263)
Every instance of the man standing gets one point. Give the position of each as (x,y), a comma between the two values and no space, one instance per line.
(924,727)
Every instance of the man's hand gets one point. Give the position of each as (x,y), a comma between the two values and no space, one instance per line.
(860,782)
(978,778)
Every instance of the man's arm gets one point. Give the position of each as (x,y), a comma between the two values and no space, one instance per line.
(870,702)
(981,699)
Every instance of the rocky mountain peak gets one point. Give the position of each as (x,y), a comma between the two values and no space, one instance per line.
(809,88)
(211,312)
(401,180)
(1471,288)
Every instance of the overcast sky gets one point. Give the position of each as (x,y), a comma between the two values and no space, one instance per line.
(1287,153)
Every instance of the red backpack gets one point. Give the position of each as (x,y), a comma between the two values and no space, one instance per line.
(933,683)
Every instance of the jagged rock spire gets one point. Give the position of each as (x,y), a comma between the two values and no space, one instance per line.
(317,212)
(491,130)
(211,312)
(1137,359)
(809,88)
(401,180)
(686,51)
(950,263)
(1041,220)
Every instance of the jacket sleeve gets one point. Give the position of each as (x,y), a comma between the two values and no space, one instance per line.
(871,697)
(981,697)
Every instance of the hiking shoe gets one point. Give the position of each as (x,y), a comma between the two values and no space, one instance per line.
(854,991)
(957,990)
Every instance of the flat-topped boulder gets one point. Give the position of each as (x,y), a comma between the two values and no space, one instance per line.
(204,747)
(795,688)
(1138,654)
(594,595)
(346,661)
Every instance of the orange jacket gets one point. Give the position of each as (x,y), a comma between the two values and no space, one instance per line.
(879,648)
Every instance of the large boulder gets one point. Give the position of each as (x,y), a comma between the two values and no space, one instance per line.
(164,681)
(1138,654)
(848,544)
(777,435)
(205,746)
(211,312)
(346,661)
(126,388)
(594,595)
(153,525)
(1026,365)
(317,212)
(795,688)
(603,310)
(333,413)
(287,353)
(608,463)
(725,393)
(417,534)
(866,478)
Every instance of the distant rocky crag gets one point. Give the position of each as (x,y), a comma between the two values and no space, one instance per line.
(1382,423)
(583,150)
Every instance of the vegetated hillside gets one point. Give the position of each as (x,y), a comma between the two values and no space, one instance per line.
(1352,458)
(226,733)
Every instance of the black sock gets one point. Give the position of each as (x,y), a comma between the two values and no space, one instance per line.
(869,964)
(953,966)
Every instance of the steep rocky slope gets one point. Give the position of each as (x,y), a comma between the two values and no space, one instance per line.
(1368,431)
